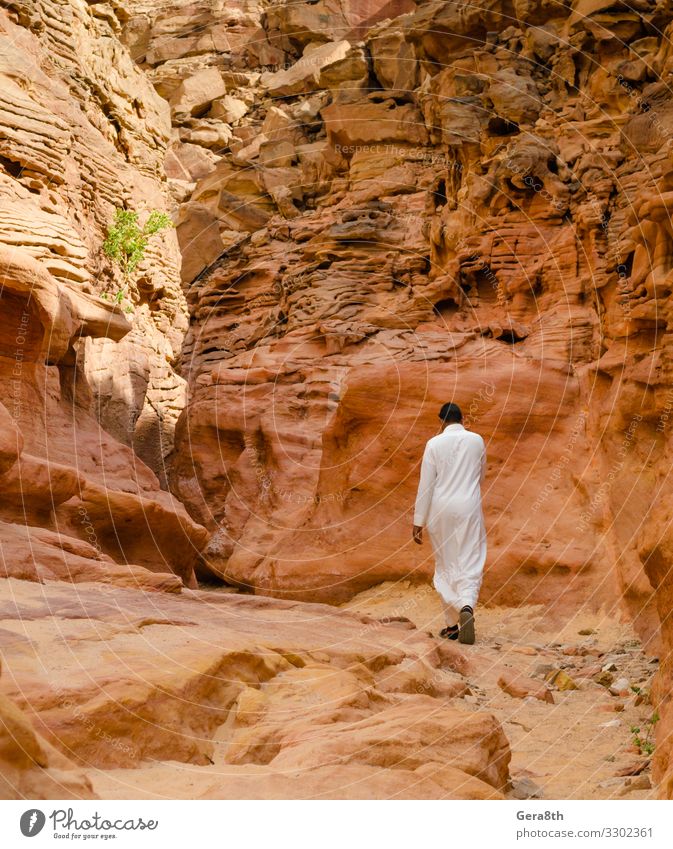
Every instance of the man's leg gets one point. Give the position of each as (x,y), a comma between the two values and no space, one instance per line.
(450,614)
(468,592)
(444,551)
(466,634)
(468,584)
(451,619)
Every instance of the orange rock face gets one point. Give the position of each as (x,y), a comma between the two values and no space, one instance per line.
(482,218)
(31,768)
(380,206)
(361,253)
(84,381)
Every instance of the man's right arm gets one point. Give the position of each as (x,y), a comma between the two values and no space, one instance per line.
(483,462)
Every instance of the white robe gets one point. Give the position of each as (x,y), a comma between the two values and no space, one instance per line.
(449,505)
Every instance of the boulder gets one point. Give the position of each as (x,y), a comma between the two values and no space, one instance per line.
(228,109)
(351,126)
(561,680)
(200,240)
(189,162)
(196,93)
(519,687)
(394,60)
(30,767)
(320,66)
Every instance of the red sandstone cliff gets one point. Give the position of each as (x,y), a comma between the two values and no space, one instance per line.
(379,206)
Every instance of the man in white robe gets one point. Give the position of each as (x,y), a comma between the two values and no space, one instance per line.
(449,505)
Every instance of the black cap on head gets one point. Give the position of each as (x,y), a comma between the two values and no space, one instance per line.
(450,413)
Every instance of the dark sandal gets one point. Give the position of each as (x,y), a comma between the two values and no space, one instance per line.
(450,632)
(467,626)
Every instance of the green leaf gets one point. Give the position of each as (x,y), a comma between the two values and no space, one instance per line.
(156,222)
(126,242)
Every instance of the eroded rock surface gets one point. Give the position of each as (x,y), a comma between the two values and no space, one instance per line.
(477,211)
(90,395)
(380,205)
(118,678)
(31,768)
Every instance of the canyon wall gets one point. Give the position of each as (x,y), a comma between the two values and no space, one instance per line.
(379,206)
(382,207)
(90,395)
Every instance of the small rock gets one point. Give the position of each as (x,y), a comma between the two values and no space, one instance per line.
(585,632)
(561,680)
(609,667)
(654,660)
(614,723)
(228,109)
(260,238)
(611,782)
(524,788)
(211,134)
(594,652)
(195,93)
(520,687)
(604,678)
(590,671)
(613,707)
(640,782)
(528,650)
(542,669)
(574,651)
(635,768)
(620,687)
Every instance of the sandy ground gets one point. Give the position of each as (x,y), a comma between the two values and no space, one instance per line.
(567,749)
(572,749)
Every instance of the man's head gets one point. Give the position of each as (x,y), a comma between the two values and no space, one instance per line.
(450,414)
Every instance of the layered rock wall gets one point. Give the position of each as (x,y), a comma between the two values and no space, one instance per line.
(89,388)
(380,206)
(382,209)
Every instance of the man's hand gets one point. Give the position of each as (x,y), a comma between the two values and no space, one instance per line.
(418,534)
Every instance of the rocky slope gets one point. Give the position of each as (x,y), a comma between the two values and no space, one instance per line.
(379,206)
(376,709)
